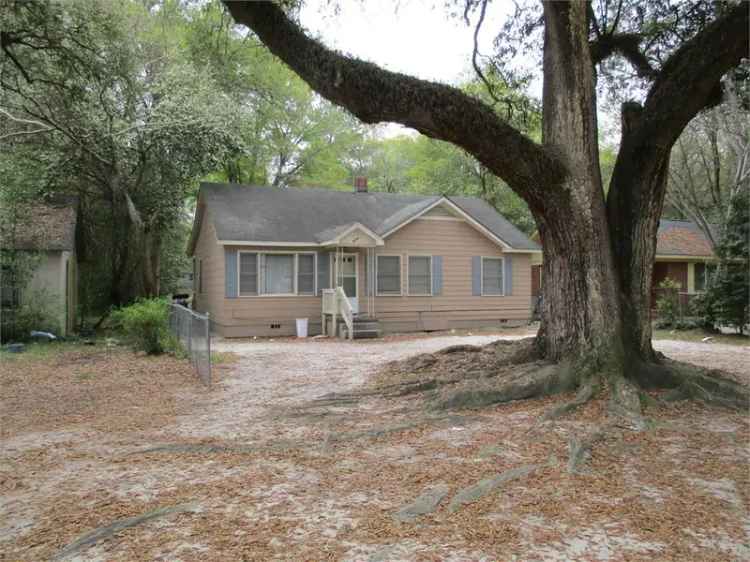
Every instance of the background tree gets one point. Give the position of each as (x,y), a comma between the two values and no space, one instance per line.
(727,299)
(710,163)
(598,253)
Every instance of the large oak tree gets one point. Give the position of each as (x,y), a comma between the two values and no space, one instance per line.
(598,249)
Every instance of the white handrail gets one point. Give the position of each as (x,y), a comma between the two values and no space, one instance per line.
(346,311)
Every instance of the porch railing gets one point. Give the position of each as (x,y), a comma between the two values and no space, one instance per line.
(335,304)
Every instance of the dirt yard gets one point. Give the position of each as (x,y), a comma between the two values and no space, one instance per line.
(109,456)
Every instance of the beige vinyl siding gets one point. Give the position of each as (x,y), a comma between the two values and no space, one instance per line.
(456,307)
(211,254)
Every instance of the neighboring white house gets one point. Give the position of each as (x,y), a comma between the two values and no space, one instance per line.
(48,233)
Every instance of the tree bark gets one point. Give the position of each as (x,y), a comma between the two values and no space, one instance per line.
(578,265)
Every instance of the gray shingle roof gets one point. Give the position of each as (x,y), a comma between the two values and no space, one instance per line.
(46,225)
(310,215)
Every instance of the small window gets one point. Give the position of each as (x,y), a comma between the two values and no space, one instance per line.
(279,274)
(389,275)
(492,276)
(700,276)
(420,277)
(306,274)
(248,273)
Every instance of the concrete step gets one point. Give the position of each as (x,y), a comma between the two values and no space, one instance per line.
(365,334)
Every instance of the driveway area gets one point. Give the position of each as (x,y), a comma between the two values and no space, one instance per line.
(280,461)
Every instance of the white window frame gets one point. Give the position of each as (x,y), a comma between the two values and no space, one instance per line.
(400,275)
(295,274)
(408,283)
(481,275)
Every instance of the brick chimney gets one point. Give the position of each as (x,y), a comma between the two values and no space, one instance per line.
(360,184)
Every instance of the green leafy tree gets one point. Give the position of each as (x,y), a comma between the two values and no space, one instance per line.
(728,293)
(128,125)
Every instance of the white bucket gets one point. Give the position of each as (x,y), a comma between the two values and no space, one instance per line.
(301,327)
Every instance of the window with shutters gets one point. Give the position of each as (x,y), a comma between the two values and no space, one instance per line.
(276,273)
(389,275)
(492,277)
(420,275)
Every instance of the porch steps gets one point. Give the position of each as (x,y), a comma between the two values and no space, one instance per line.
(364,327)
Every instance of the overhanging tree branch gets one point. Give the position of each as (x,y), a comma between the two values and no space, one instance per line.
(625,44)
(376,95)
(690,79)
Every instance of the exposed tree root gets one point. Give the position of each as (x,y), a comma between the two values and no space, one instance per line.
(585,393)
(580,448)
(461,348)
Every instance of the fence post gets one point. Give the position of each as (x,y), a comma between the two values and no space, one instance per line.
(208,345)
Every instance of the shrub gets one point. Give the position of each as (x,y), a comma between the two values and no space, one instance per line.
(668,304)
(145,324)
(702,309)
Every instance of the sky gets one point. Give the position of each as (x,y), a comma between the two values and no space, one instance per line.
(415,37)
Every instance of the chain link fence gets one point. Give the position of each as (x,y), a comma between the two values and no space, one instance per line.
(193,331)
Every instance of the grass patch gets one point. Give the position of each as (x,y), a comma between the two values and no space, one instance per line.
(39,350)
(697,335)
(223,357)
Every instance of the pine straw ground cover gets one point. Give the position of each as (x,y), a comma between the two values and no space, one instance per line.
(678,491)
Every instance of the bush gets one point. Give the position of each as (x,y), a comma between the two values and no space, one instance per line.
(668,303)
(145,324)
(702,308)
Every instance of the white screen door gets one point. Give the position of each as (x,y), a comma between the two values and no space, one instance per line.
(347,277)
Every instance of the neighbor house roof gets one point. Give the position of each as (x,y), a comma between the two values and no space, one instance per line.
(46,225)
(312,216)
(682,238)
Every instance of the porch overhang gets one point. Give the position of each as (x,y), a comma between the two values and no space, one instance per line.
(355,235)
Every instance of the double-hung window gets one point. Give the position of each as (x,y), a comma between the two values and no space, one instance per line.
(420,275)
(248,267)
(276,274)
(306,274)
(492,276)
(389,275)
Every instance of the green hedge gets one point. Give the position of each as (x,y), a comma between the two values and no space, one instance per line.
(145,324)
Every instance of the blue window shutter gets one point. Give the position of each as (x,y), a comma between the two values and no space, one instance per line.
(508,274)
(437,275)
(323,268)
(476,276)
(230,273)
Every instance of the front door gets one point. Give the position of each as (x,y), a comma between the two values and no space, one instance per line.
(346,267)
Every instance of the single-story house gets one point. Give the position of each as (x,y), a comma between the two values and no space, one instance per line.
(682,253)
(46,234)
(385,262)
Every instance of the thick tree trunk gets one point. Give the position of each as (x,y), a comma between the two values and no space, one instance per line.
(581,314)
(634,207)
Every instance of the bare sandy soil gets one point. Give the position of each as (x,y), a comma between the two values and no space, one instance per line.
(265,467)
